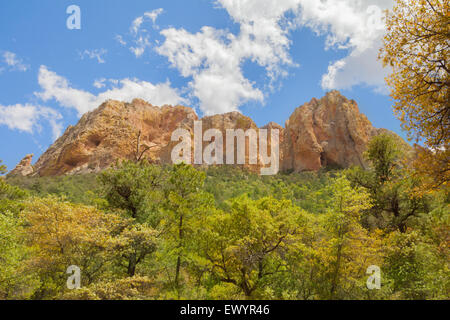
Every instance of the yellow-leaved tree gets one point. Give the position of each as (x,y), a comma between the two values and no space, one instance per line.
(417,47)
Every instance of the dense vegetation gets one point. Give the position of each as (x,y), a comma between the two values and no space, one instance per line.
(416,47)
(139,231)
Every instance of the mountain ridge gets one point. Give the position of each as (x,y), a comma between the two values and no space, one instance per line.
(330,131)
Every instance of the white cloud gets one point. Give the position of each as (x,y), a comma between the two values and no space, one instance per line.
(58,88)
(213,58)
(94,54)
(357,68)
(120,40)
(100,83)
(13,62)
(26,118)
(153,15)
(354,25)
(142,43)
(136,25)
(141,37)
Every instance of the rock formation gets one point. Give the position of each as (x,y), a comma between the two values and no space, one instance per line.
(111,132)
(326,132)
(23,168)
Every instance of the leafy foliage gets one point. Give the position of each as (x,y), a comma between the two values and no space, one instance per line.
(417,47)
(140,231)
(390,185)
(245,246)
(3,169)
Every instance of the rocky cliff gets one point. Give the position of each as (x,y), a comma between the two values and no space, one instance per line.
(112,132)
(326,132)
(24,167)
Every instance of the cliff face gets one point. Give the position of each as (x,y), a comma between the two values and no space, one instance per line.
(326,132)
(23,168)
(329,131)
(111,132)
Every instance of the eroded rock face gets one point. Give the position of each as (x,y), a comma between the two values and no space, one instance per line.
(231,121)
(111,132)
(326,132)
(24,167)
(242,131)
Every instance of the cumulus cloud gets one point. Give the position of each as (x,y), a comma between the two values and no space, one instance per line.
(58,88)
(353,25)
(357,68)
(27,117)
(94,54)
(213,58)
(13,63)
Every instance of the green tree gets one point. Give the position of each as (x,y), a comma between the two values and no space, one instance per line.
(11,198)
(16,280)
(186,205)
(62,234)
(134,188)
(134,244)
(417,263)
(3,169)
(9,192)
(390,186)
(348,248)
(245,246)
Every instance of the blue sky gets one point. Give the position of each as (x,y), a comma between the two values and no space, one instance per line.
(261,57)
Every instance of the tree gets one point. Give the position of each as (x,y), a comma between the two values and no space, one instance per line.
(245,246)
(134,288)
(347,249)
(64,234)
(134,244)
(16,282)
(384,156)
(417,47)
(134,188)
(389,183)
(433,168)
(140,149)
(10,198)
(186,204)
(3,169)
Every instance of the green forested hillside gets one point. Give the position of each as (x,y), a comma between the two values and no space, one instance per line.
(139,231)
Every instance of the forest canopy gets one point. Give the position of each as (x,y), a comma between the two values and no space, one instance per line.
(142,231)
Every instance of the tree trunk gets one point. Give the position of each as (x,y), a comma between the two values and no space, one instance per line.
(336,272)
(131,265)
(180,238)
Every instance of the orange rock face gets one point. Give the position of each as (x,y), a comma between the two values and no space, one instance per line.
(111,132)
(326,132)
(24,167)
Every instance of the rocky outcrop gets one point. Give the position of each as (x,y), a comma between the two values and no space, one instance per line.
(233,121)
(112,132)
(23,168)
(326,132)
